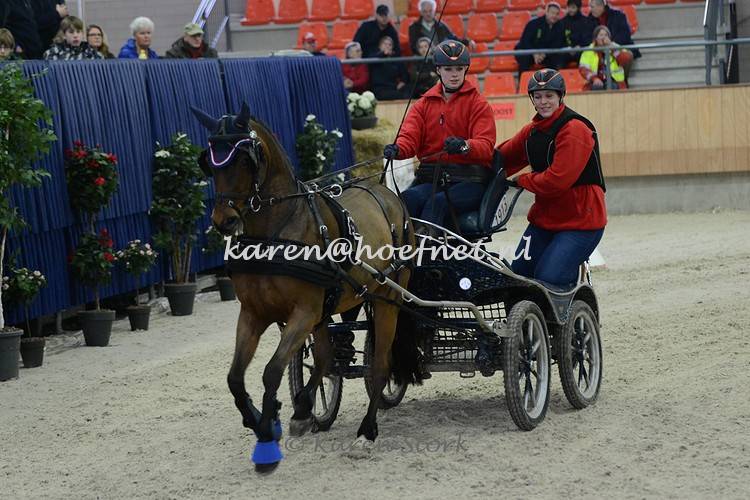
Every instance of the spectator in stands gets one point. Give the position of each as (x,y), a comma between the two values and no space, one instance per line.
(17,16)
(310,44)
(577,30)
(356,76)
(592,66)
(69,44)
(542,33)
(191,45)
(540,11)
(423,72)
(7,46)
(388,80)
(98,41)
(426,24)
(617,22)
(139,47)
(370,33)
(48,15)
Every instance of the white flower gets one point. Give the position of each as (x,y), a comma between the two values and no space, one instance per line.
(353,96)
(6,279)
(201,183)
(37,273)
(337,133)
(351,107)
(364,103)
(163,154)
(142,252)
(181,136)
(136,241)
(147,245)
(310,118)
(368,95)
(5,286)
(320,156)
(149,253)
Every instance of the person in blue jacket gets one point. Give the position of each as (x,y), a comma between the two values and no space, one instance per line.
(139,47)
(542,33)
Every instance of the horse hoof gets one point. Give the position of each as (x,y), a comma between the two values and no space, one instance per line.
(266,456)
(360,449)
(298,428)
(265,469)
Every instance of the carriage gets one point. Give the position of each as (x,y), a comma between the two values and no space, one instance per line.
(473,314)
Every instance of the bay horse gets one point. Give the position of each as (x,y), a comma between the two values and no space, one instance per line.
(259,197)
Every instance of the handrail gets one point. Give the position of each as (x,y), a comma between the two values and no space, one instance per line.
(202,14)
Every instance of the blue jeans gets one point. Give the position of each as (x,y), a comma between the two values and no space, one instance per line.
(464,196)
(554,256)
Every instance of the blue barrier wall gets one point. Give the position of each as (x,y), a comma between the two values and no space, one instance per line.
(127,106)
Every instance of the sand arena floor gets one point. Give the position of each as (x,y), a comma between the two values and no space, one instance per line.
(150,416)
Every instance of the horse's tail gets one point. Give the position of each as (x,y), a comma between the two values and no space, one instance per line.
(407,358)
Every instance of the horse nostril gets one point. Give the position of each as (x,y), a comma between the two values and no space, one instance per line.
(230,224)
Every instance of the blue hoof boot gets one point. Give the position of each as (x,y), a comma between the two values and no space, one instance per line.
(266,456)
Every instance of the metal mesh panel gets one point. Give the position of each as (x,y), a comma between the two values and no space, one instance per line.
(455,345)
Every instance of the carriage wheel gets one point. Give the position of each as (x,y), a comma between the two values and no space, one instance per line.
(526,365)
(578,348)
(393,393)
(328,395)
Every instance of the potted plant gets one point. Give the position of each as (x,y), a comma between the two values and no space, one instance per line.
(362,109)
(92,180)
(178,191)
(138,258)
(215,242)
(316,149)
(25,135)
(20,288)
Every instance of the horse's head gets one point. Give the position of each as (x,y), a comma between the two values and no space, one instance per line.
(236,159)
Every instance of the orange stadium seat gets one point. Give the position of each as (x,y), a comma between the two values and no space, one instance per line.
(493,6)
(618,3)
(258,12)
(503,63)
(473,79)
(291,11)
(343,33)
(482,27)
(497,84)
(574,81)
(403,35)
(523,82)
(413,10)
(513,25)
(479,64)
(458,6)
(632,16)
(528,5)
(318,29)
(358,9)
(324,10)
(456,24)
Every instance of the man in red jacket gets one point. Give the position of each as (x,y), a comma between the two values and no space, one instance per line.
(452,127)
(569,213)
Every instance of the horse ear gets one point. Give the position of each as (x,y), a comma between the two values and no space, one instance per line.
(203,163)
(210,123)
(243,119)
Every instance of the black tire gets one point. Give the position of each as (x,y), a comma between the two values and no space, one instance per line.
(578,348)
(393,393)
(521,362)
(327,397)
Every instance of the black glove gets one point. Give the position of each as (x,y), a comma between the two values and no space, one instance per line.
(511,183)
(390,152)
(456,145)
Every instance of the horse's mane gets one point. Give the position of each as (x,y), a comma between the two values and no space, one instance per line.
(276,150)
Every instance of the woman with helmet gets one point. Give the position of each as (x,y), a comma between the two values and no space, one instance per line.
(452,117)
(569,213)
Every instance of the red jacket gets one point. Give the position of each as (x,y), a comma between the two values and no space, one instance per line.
(359,75)
(558,205)
(432,120)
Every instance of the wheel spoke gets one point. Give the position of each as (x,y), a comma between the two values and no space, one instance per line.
(535,347)
(323,396)
(582,375)
(526,397)
(308,366)
(586,340)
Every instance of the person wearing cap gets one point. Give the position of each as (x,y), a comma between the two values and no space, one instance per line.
(541,33)
(567,219)
(451,129)
(427,25)
(370,33)
(577,30)
(139,47)
(356,76)
(191,45)
(310,44)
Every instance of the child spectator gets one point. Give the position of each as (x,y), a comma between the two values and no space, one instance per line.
(388,80)
(7,46)
(310,44)
(370,33)
(427,77)
(191,45)
(426,24)
(139,47)
(98,41)
(577,30)
(617,23)
(592,63)
(541,33)
(69,45)
(356,76)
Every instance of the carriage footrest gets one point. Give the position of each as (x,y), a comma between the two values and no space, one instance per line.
(354,372)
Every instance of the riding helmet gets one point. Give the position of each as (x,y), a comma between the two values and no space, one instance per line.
(547,79)
(451,53)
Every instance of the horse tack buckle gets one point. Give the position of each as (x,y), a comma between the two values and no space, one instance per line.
(255,203)
(335,190)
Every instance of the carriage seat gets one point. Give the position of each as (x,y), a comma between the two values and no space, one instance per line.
(483,223)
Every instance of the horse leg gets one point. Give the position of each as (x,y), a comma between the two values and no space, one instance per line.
(384,319)
(267,453)
(302,419)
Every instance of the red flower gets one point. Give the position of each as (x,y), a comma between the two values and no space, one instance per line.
(112,158)
(79,154)
(104,232)
(99,181)
(78,144)
(92,164)
(109,257)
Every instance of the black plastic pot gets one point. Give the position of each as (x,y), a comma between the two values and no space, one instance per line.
(139,316)
(10,341)
(226,288)
(32,351)
(97,326)
(364,122)
(181,297)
